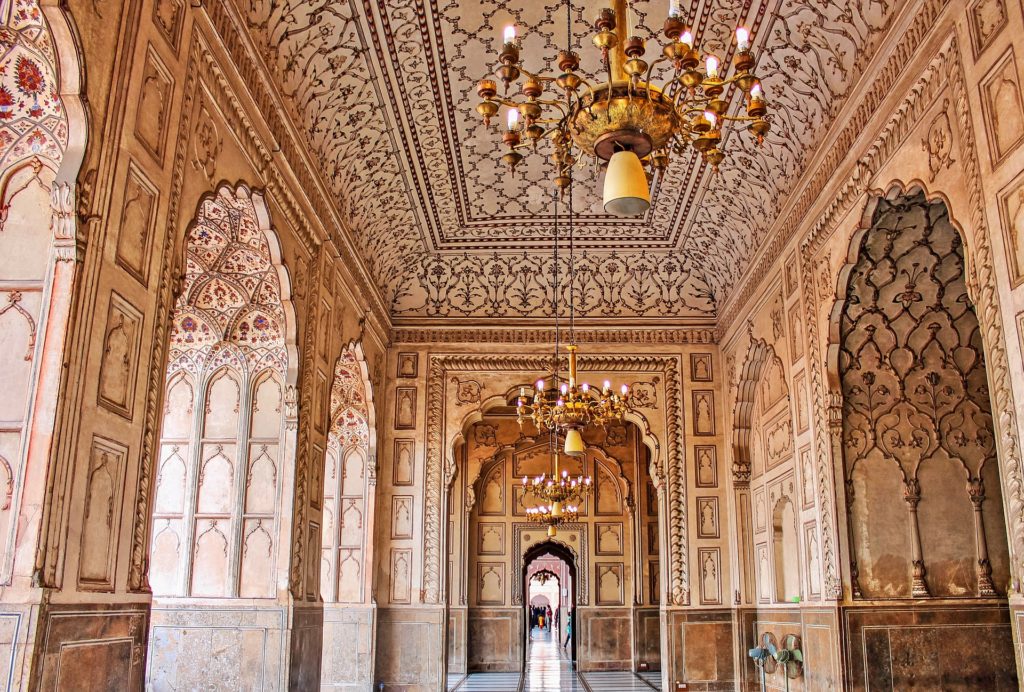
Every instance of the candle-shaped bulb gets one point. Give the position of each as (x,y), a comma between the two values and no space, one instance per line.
(712,65)
(513,119)
(673,8)
(522,391)
(510,33)
(565,388)
(625,389)
(686,38)
(565,473)
(585,387)
(712,118)
(607,385)
(540,385)
(756,92)
(742,39)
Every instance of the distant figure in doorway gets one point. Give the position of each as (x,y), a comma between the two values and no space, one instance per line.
(548,616)
(568,628)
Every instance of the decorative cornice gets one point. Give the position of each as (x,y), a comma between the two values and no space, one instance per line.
(543,335)
(815,181)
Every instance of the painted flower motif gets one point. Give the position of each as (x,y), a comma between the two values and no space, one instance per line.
(30,78)
(261,323)
(6,103)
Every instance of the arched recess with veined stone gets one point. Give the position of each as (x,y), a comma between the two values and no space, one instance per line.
(222,507)
(350,479)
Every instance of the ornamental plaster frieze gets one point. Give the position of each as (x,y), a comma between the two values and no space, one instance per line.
(485,335)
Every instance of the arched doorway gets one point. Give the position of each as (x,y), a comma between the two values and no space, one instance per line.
(615,543)
(547,557)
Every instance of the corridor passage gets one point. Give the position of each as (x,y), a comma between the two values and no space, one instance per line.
(548,669)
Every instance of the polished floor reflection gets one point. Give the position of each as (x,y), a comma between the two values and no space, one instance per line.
(548,669)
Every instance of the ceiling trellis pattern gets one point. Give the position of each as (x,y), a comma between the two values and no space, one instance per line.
(384,93)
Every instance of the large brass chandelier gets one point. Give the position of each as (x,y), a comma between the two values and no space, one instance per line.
(569,405)
(627,121)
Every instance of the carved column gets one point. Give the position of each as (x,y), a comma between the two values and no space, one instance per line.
(976,491)
(912,496)
(834,411)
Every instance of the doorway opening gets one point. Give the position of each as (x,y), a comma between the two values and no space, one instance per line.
(549,584)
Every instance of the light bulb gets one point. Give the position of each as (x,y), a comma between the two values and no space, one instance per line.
(510,33)
(513,119)
(712,118)
(686,38)
(540,385)
(625,389)
(712,65)
(756,92)
(742,39)
(607,385)
(673,8)
(585,387)
(565,388)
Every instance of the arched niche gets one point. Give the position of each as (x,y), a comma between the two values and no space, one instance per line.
(907,363)
(232,359)
(349,482)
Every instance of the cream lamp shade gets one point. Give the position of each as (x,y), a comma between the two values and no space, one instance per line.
(574,446)
(625,186)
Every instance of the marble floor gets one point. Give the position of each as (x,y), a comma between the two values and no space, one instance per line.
(548,669)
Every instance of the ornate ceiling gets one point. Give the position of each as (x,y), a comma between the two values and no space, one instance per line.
(385,93)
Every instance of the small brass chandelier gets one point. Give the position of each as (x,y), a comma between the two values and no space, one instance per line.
(627,121)
(560,494)
(544,576)
(570,405)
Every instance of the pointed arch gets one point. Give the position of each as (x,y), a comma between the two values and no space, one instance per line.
(758,356)
(233,339)
(350,482)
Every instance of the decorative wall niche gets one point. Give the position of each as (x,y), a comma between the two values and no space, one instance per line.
(408,365)
(917,417)
(710,560)
(120,361)
(1001,101)
(705,458)
(703,412)
(405,408)
(404,462)
(707,517)
(700,367)
(609,584)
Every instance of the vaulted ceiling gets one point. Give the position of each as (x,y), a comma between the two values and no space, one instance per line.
(385,94)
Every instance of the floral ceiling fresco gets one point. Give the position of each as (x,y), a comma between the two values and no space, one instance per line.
(385,94)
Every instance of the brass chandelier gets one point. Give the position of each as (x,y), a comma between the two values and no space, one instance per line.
(627,120)
(560,495)
(569,405)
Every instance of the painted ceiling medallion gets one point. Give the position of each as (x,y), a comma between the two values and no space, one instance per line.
(625,121)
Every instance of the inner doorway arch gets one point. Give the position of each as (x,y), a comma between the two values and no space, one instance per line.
(558,550)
